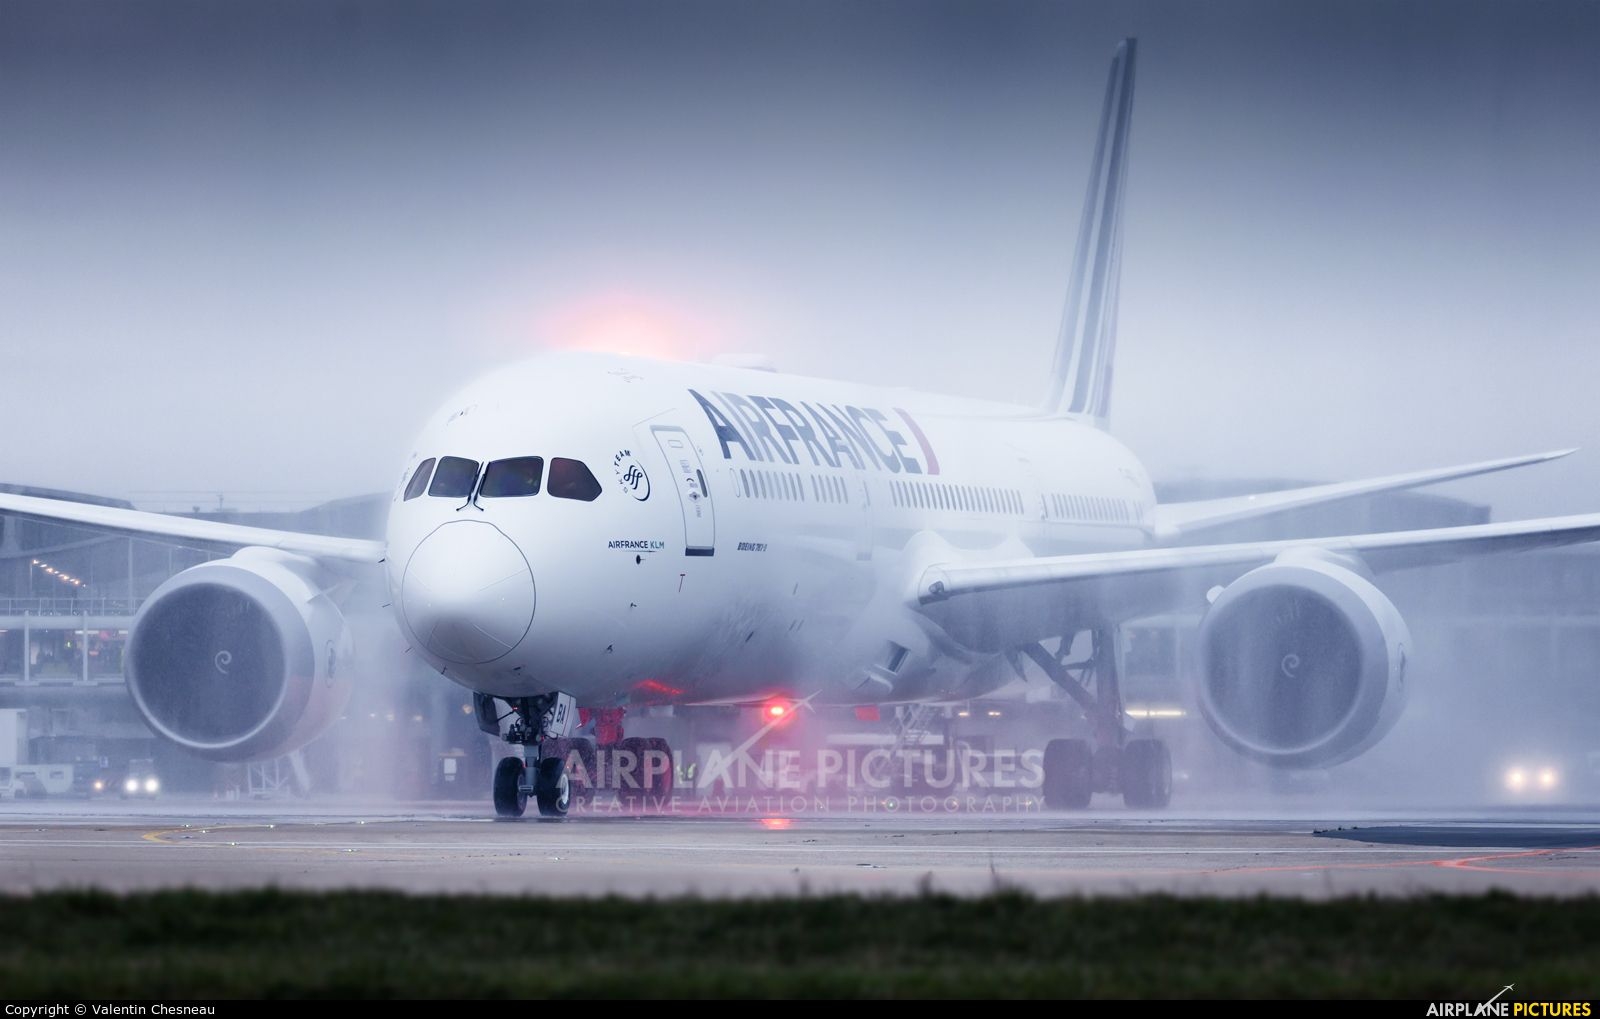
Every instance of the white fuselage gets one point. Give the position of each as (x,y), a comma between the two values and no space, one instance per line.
(751,533)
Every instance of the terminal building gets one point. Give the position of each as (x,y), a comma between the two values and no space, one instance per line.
(68,596)
(1506,674)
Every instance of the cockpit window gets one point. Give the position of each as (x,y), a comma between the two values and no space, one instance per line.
(570,479)
(506,479)
(454,478)
(419,480)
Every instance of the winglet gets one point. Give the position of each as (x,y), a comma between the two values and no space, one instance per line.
(1080,381)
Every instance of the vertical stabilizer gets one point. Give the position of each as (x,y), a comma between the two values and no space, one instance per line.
(1081,379)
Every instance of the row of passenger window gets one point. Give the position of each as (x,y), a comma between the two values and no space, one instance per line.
(760,484)
(454,477)
(1098,508)
(964,498)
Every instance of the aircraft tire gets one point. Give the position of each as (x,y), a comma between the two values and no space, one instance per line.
(1146,774)
(551,789)
(1068,774)
(510,799)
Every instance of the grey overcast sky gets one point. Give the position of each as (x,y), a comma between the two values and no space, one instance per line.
(246,247)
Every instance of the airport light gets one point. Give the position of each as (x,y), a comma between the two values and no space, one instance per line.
(777,709)
(1138,712)
(51,571)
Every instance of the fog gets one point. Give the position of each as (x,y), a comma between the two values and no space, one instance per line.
(246,248)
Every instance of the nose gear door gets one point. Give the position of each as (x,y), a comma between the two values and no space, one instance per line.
(694,496)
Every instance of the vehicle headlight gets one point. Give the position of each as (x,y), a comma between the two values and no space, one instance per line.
(1516,779)
(151,785)
(99,785)
(1548,778)
(131,785)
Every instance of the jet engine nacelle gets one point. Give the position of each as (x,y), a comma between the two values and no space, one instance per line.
(242,658)
(1303,662)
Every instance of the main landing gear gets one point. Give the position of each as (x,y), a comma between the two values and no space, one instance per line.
(641,770)
(1113,762)
(539,724)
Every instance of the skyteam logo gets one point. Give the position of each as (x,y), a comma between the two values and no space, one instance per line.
(630,473)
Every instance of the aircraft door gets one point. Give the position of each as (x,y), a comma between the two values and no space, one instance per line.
(694,495)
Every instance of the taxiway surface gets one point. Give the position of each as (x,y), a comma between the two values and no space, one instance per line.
(172,844)
(205,845)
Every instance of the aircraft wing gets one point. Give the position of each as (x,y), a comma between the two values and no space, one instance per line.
(189,531)
(998,604)
(1178,520)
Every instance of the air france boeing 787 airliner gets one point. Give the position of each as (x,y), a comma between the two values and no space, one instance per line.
(602,531)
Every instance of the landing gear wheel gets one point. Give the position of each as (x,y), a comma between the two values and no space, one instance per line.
(661,782)
(649,783)
(1068,774)
(510,798)
(1146,774)
(551,788)
(578,754)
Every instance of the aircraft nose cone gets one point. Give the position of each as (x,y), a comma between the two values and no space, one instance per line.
(468,593)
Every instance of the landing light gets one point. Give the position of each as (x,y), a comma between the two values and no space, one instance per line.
(1526,778)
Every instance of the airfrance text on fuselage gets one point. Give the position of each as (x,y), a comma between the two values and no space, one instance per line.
(770,429)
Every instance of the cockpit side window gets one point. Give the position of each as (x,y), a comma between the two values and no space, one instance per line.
(454,478)
(419,480)
(570,479)
(507,479)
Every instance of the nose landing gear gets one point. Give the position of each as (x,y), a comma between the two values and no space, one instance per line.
(537,723)
(510,787)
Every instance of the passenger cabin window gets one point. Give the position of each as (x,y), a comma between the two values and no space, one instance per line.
(454,478)
(570,479)
(510,479)
(419,480)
